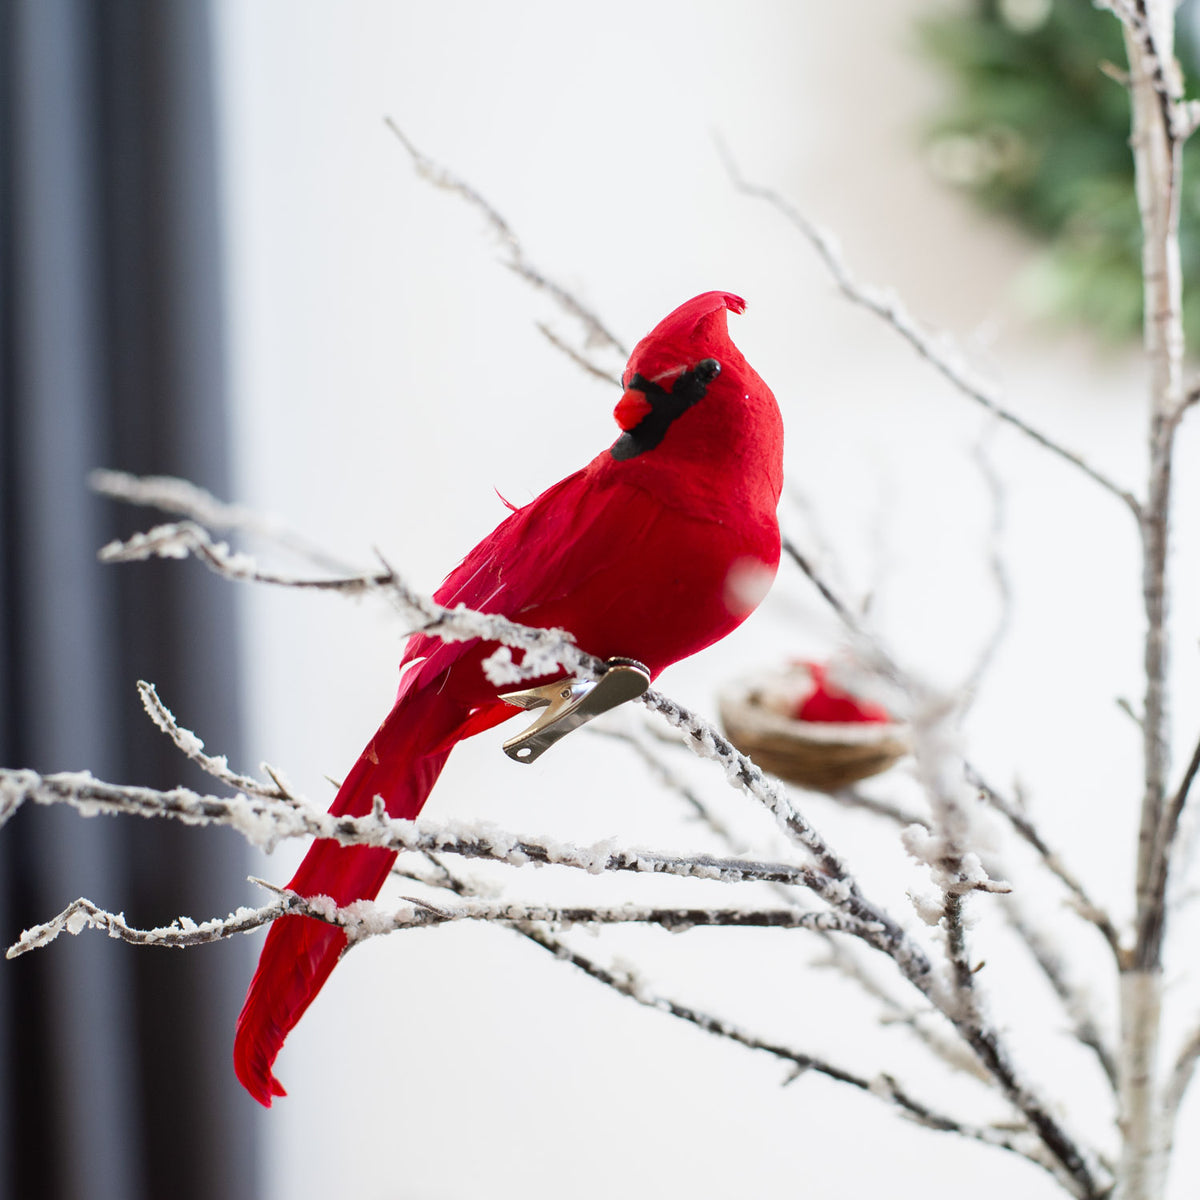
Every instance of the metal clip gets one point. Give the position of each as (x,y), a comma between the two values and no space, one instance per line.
(571,702)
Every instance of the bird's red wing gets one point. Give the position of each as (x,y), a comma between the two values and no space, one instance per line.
(521,558)
(510,567)
(602,558)
(551,554)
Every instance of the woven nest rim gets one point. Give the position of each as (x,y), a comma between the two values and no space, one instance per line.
(739,707)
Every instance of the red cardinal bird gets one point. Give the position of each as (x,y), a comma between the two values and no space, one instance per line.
(657,548)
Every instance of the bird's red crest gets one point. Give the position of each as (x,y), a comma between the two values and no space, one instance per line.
(695,329)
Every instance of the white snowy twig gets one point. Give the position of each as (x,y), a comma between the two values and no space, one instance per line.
(959,872)
(596,332)
(265,823)
(181,539)
(181,497)
(874,654)
(365,919)
(673,782)
(705,741)
(576,357)
(926,1024)
(883,1087)
(193,748)
(1076,1000)
(937,349)
(1082,901)
(627,983)
(997,568)
(544,649)
(82,914)
(945,847)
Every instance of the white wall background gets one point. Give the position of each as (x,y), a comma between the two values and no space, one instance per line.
(388,375)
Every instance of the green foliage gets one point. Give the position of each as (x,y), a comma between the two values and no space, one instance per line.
(1035,129)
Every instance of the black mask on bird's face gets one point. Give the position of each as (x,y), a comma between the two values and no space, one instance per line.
(650,408)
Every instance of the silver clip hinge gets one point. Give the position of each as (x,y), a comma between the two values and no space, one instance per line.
(571,702)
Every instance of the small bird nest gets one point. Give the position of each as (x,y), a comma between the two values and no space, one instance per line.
(759,716)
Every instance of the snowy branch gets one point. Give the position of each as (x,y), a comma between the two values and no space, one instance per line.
(1076,1000)
(672,782)
(596,332)
(925,1023)
(193,748)
(883,1087)
(1161,122)
(704,740)
(545,649)
(945,846)
(1083,904)
(265,823)
(936,349)
(82,914)
(959,873)
(997,568)
(365,919)
(1168,834)
(875,655)
(181,539)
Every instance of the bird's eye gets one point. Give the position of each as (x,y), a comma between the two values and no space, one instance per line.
(706,370)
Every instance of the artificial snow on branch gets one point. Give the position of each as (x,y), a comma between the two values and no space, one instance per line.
(596,333)
(544,649)
(1020,1141)
(265,823)
(193,748)
(936,348)
(366,919)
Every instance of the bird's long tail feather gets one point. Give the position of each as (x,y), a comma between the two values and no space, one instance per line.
(401,764)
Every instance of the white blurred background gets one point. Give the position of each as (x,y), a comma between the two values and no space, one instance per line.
(388,376)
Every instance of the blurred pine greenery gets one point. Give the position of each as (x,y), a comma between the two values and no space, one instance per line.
(1033,128)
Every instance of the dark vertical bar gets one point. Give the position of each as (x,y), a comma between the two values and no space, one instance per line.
(73,1032)
(162,241)
(116,1081)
